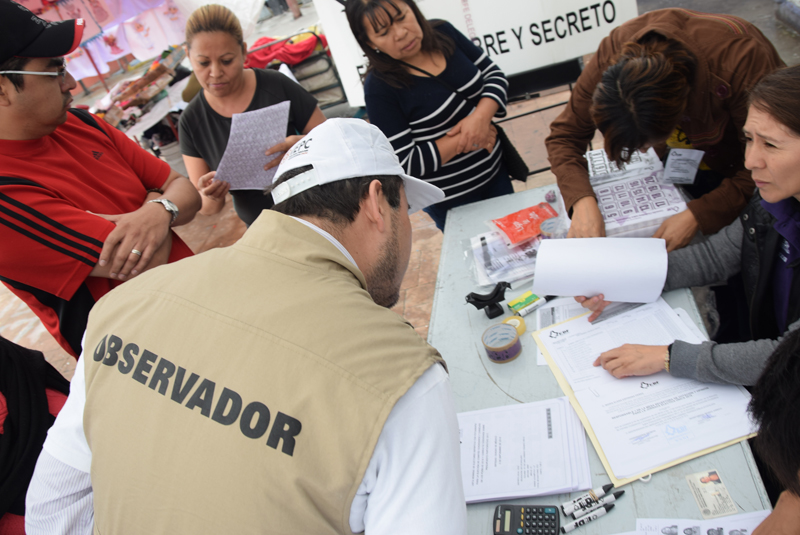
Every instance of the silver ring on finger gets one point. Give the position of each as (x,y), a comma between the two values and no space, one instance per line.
(475,145)
(137,252)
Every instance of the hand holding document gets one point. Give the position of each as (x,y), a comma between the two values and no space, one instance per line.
(532,449)
(631,270)
(252,133)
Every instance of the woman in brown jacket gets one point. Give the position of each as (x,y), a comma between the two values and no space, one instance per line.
(671,77)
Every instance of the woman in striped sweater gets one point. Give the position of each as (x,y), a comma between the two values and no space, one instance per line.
(439,136)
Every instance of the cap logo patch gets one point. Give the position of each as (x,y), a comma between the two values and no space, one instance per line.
(299,148)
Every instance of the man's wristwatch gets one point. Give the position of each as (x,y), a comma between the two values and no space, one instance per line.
(170,207)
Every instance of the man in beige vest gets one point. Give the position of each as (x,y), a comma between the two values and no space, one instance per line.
(266,387)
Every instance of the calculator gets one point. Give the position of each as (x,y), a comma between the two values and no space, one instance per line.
(525,520)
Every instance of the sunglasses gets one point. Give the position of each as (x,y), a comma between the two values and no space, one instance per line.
(61,73)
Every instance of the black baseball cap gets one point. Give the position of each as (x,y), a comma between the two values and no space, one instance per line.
(25,35)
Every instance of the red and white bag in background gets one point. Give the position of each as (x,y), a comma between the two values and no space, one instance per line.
(525,224)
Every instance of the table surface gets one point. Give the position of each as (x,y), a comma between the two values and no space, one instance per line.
(477,383)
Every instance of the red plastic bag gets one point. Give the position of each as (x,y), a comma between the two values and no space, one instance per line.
(524,225)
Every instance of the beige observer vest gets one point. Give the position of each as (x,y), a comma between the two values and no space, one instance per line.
(242,390)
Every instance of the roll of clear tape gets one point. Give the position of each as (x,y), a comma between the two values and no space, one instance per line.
(502,343)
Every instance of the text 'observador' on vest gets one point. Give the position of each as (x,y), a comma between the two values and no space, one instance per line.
(253,419)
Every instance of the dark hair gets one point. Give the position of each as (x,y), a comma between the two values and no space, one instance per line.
(338,202)
(775,406)
(778,94)
(642,97)
(384,65)
(15,64)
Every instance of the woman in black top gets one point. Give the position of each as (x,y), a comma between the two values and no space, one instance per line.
(217,52)
(444,138)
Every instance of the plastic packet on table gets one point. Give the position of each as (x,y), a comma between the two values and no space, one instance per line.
(523,225)
(495,261)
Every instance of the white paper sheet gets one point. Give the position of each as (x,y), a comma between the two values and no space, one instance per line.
(742,524)
(643,422)
(532,449)
(631,270)
(252,133)
(682,166)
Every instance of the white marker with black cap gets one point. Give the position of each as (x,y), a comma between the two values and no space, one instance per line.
(611,498)
(584,500)
(594,515)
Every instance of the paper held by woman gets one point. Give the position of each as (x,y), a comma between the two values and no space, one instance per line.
(630,270)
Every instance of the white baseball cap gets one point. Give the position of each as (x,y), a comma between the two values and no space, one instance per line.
(339,149)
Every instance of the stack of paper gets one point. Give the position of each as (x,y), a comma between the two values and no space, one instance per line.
(636,207)
(533,449)
(640,425)
(743,524)
(635,199)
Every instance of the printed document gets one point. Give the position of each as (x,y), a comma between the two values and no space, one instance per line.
(252,133)
(632,270)
(642,424)
(682,166)
(531,449)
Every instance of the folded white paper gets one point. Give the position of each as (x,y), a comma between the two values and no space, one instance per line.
(631,270)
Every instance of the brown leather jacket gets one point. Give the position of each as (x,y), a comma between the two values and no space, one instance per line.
(732,55)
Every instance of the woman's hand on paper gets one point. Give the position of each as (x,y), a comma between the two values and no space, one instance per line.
(280,148)
(633,359)
(587,221)
(596,304)
(678,230)
(213,189)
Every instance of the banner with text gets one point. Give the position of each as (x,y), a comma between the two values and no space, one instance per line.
(518,36)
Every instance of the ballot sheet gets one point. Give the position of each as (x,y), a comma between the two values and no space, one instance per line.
(252,133)
(742,524)
(531,449)
(640,424)
(632,270)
